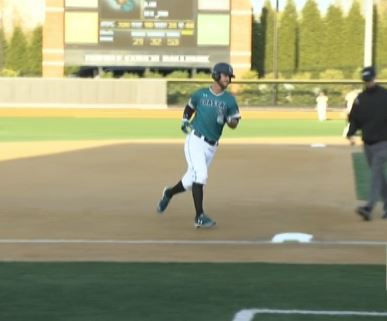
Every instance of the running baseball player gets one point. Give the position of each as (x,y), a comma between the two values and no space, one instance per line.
(212,108)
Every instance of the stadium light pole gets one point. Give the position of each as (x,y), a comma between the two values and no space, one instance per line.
(368,33)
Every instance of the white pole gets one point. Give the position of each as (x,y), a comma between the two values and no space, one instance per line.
(368,43)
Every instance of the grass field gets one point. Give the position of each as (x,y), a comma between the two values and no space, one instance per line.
(182,291)
(38,129)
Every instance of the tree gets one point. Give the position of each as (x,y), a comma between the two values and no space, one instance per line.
(287,38)
(268,29)
(258,47)
(17,54)
(311,36)
(3,49)
(35,53)
(334,38)
(353,40)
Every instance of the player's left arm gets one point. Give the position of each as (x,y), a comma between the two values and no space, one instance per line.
(233,116)
(233,122)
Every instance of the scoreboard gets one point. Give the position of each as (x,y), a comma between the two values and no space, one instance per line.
(147,33)
(151,24)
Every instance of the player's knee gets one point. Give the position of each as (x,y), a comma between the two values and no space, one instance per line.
(194,177)
(187,186)
(201,179)
(187,182)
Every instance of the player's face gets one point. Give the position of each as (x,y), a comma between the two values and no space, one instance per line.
(370,84)
(224,81)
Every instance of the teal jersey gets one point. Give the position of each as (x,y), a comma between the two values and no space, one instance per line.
(211,111)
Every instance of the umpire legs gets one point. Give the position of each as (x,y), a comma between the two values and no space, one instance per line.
(376,155)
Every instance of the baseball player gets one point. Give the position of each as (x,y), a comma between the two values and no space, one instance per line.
(212,108)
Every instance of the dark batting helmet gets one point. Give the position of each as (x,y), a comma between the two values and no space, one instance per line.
(222,68)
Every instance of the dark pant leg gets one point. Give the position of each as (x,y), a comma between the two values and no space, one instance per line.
(377,157)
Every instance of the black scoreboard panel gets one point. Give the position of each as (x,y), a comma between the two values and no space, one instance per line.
(161,23)
(147,33)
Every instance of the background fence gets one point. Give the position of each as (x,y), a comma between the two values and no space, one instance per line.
(272,93)
(163,93)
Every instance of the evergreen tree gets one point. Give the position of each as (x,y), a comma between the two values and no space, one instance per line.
(287,38)
(268,29)
(35,53)
(3,49)
(334,38)
(258,47)
(353,41)
(17,55)
(311,37)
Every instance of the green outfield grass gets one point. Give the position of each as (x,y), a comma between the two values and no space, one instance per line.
(184,291)
(42,129)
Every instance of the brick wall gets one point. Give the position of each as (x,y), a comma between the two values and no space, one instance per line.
(53,39)
(241,24)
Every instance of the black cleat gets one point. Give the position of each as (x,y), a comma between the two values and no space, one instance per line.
(164,201)
(364,212)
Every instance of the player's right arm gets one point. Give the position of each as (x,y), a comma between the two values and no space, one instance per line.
(189,110)
(353,122)
(185,123)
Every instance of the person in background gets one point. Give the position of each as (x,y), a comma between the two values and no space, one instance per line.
(369,114)
(321,106)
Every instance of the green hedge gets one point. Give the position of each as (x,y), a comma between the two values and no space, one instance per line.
(287,95)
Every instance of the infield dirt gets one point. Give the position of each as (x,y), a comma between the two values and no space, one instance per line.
(96,201)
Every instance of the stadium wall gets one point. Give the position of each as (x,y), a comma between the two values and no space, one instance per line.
(85,93)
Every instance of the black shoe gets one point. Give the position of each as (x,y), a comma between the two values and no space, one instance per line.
(364,212)
(384,216)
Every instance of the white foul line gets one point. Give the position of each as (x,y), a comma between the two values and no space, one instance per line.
(187,242)
(248,314)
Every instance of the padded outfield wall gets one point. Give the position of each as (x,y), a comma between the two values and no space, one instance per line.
(83,93)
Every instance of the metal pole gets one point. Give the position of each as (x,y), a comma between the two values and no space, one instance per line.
(368,34)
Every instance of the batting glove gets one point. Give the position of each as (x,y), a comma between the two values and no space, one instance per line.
(185,126)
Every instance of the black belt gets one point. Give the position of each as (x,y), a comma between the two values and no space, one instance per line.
(207,140)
